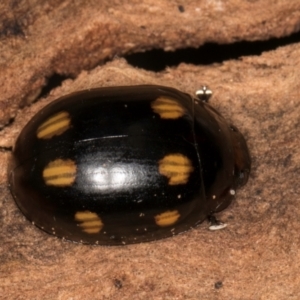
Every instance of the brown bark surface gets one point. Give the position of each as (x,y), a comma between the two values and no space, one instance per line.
(257,256)
(39,38)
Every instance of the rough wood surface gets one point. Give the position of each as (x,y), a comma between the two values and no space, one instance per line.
(39,38)
(257,256)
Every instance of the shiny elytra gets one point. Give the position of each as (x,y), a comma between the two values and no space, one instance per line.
(121,165)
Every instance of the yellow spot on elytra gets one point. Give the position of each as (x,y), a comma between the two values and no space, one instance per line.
(89,221)
(55,125)
(167,218)
(167,108)
(176,167)
(60,172)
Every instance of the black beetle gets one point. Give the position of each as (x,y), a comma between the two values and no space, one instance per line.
(121,165)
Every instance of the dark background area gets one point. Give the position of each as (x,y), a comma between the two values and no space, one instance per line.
(157,60)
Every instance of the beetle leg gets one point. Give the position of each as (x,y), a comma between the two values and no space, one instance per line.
(215,224)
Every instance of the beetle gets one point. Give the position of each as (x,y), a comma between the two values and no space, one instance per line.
(130,164)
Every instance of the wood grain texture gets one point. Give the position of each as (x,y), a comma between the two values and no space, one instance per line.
(257,256)
(39,38)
